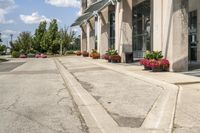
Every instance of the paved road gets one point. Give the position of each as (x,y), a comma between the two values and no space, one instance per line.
(34,99)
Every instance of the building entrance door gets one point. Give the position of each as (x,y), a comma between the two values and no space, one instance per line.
(141,29)
(192,37)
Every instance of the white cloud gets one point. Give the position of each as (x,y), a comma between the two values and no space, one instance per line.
(5,7)
(5,36)
(34,18)
(64,3)
(10,32)
(6,33)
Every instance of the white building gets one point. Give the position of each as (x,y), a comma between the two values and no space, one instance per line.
(134,26)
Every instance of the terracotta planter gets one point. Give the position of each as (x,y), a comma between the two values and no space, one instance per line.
(91,55)
(78,53)
(96,56)
(85,54)
(115,59)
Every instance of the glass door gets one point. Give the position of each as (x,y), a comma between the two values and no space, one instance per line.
(141,29)
(193,36)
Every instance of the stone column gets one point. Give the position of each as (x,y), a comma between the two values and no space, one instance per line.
(91,35)
(98,32)
(104,27)
(124,27)
(157,25)
(83,38)
(180,36)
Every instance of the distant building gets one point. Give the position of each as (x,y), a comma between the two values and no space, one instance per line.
(134,26)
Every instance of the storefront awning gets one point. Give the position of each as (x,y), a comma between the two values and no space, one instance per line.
(92,10)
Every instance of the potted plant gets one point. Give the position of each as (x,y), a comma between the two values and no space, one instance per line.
(153,61)
(145,62)
(114,56)
(155,65)
(159,65)
(165,64)
(105,56)
(85,54)
(94,54)
(78,53)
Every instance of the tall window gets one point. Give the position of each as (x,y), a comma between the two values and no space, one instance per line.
(112,30)
(141,28)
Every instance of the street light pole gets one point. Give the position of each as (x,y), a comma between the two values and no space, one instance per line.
(0,38)
(11,37)
(61,47)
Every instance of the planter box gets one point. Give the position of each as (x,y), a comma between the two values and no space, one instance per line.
(147,68)
(157,69)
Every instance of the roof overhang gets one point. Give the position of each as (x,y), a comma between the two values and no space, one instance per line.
(93,10)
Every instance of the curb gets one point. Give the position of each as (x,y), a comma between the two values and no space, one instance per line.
(95,116)
(161,116)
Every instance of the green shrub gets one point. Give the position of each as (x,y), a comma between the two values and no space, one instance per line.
(15,54)
(30,55)
(69,52)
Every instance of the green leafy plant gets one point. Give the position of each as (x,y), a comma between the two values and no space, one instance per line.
(112,52)
(15,54)
(153,55)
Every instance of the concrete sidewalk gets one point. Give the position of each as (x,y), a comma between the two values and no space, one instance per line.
(187,114)
(137,99)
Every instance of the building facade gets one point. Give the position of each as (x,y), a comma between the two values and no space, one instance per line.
(134,26)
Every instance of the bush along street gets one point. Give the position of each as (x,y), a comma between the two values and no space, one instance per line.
(45,41)
(154,61)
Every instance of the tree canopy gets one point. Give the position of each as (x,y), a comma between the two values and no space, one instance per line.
(46,39)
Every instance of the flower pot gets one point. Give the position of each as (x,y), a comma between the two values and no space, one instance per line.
(105,56)
(85,54)
(95,56)
(147,68)
(78,53)
(115,59)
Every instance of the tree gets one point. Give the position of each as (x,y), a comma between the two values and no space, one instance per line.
(2,49)
(23,43)
(67,38)
(39,36)
(51,38)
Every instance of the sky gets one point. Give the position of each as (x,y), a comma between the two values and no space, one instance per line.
(24,15)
